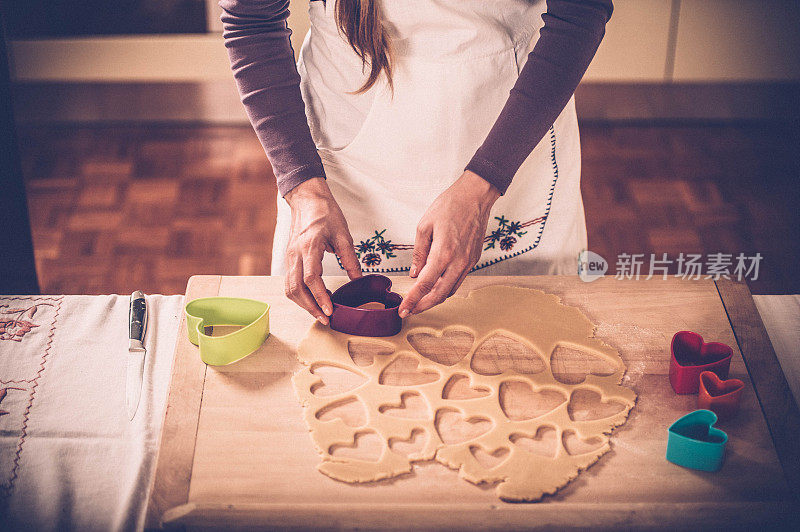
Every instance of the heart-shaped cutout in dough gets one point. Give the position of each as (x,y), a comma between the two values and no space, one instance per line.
(575,445)
(453,427)
(363,352)
(412,406)
(571,366)
(412,445)
(488,459)
(366,446)
(459,388)
(350,410)
(588,405)
(335,380)
(500,353)
(543,443)
(404,371)
(446,348)
(520,402)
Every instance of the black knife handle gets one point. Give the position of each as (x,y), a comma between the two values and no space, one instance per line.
(137,319)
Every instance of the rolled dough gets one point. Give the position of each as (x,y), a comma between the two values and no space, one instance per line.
(484,442)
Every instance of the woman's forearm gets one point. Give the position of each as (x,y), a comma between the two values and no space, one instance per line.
(567,43)
(262,60)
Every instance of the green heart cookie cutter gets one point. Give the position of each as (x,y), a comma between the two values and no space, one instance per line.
(251,315)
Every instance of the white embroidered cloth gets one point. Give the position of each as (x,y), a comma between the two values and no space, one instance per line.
(69,457)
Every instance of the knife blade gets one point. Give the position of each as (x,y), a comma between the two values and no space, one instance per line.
(137,326)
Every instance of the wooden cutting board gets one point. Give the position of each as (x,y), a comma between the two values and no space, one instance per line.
(235,450)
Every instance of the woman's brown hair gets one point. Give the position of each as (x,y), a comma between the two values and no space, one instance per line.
(361,23)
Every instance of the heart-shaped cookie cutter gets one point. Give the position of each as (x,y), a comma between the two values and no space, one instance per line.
(348,318)
(249,314)
(690,356)
(720,396)
(693,442)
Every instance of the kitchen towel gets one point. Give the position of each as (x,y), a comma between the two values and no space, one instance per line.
(69,457)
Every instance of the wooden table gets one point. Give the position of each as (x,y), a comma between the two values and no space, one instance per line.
(235,450)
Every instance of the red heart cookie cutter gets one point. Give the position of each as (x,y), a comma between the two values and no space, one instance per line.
(690,356)
(348,318)
(719,396)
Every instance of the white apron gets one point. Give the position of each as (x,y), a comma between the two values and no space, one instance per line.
(388,155)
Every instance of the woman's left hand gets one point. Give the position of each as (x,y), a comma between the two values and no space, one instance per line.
(449,241)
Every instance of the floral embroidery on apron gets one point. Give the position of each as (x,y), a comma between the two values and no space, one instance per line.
(369,251)
(377,249)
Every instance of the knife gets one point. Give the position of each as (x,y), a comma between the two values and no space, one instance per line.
(137,325)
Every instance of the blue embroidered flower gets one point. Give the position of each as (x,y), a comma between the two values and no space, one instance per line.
(506,234)
(507,243)
(371,259)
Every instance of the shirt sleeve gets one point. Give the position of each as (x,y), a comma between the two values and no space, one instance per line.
(257,38)
(567,43)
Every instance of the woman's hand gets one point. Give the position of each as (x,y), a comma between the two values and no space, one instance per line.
(449,241)
(318,225)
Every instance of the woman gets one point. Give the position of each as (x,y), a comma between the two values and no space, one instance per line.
(433,167)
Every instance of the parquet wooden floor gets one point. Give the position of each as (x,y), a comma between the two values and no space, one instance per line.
(118,208)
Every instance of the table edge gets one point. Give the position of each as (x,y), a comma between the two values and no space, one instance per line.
(777,403)
(606,516)
(169,486)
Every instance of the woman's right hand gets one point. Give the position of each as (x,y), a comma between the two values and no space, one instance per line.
(318,225)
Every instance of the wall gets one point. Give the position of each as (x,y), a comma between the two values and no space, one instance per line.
(646,41)
(659,45)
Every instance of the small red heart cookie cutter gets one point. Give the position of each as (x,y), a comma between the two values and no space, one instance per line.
(348,318)
(719,396)
(690,356)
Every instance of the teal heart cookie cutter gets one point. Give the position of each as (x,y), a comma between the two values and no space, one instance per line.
(693,442)
(251,315)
